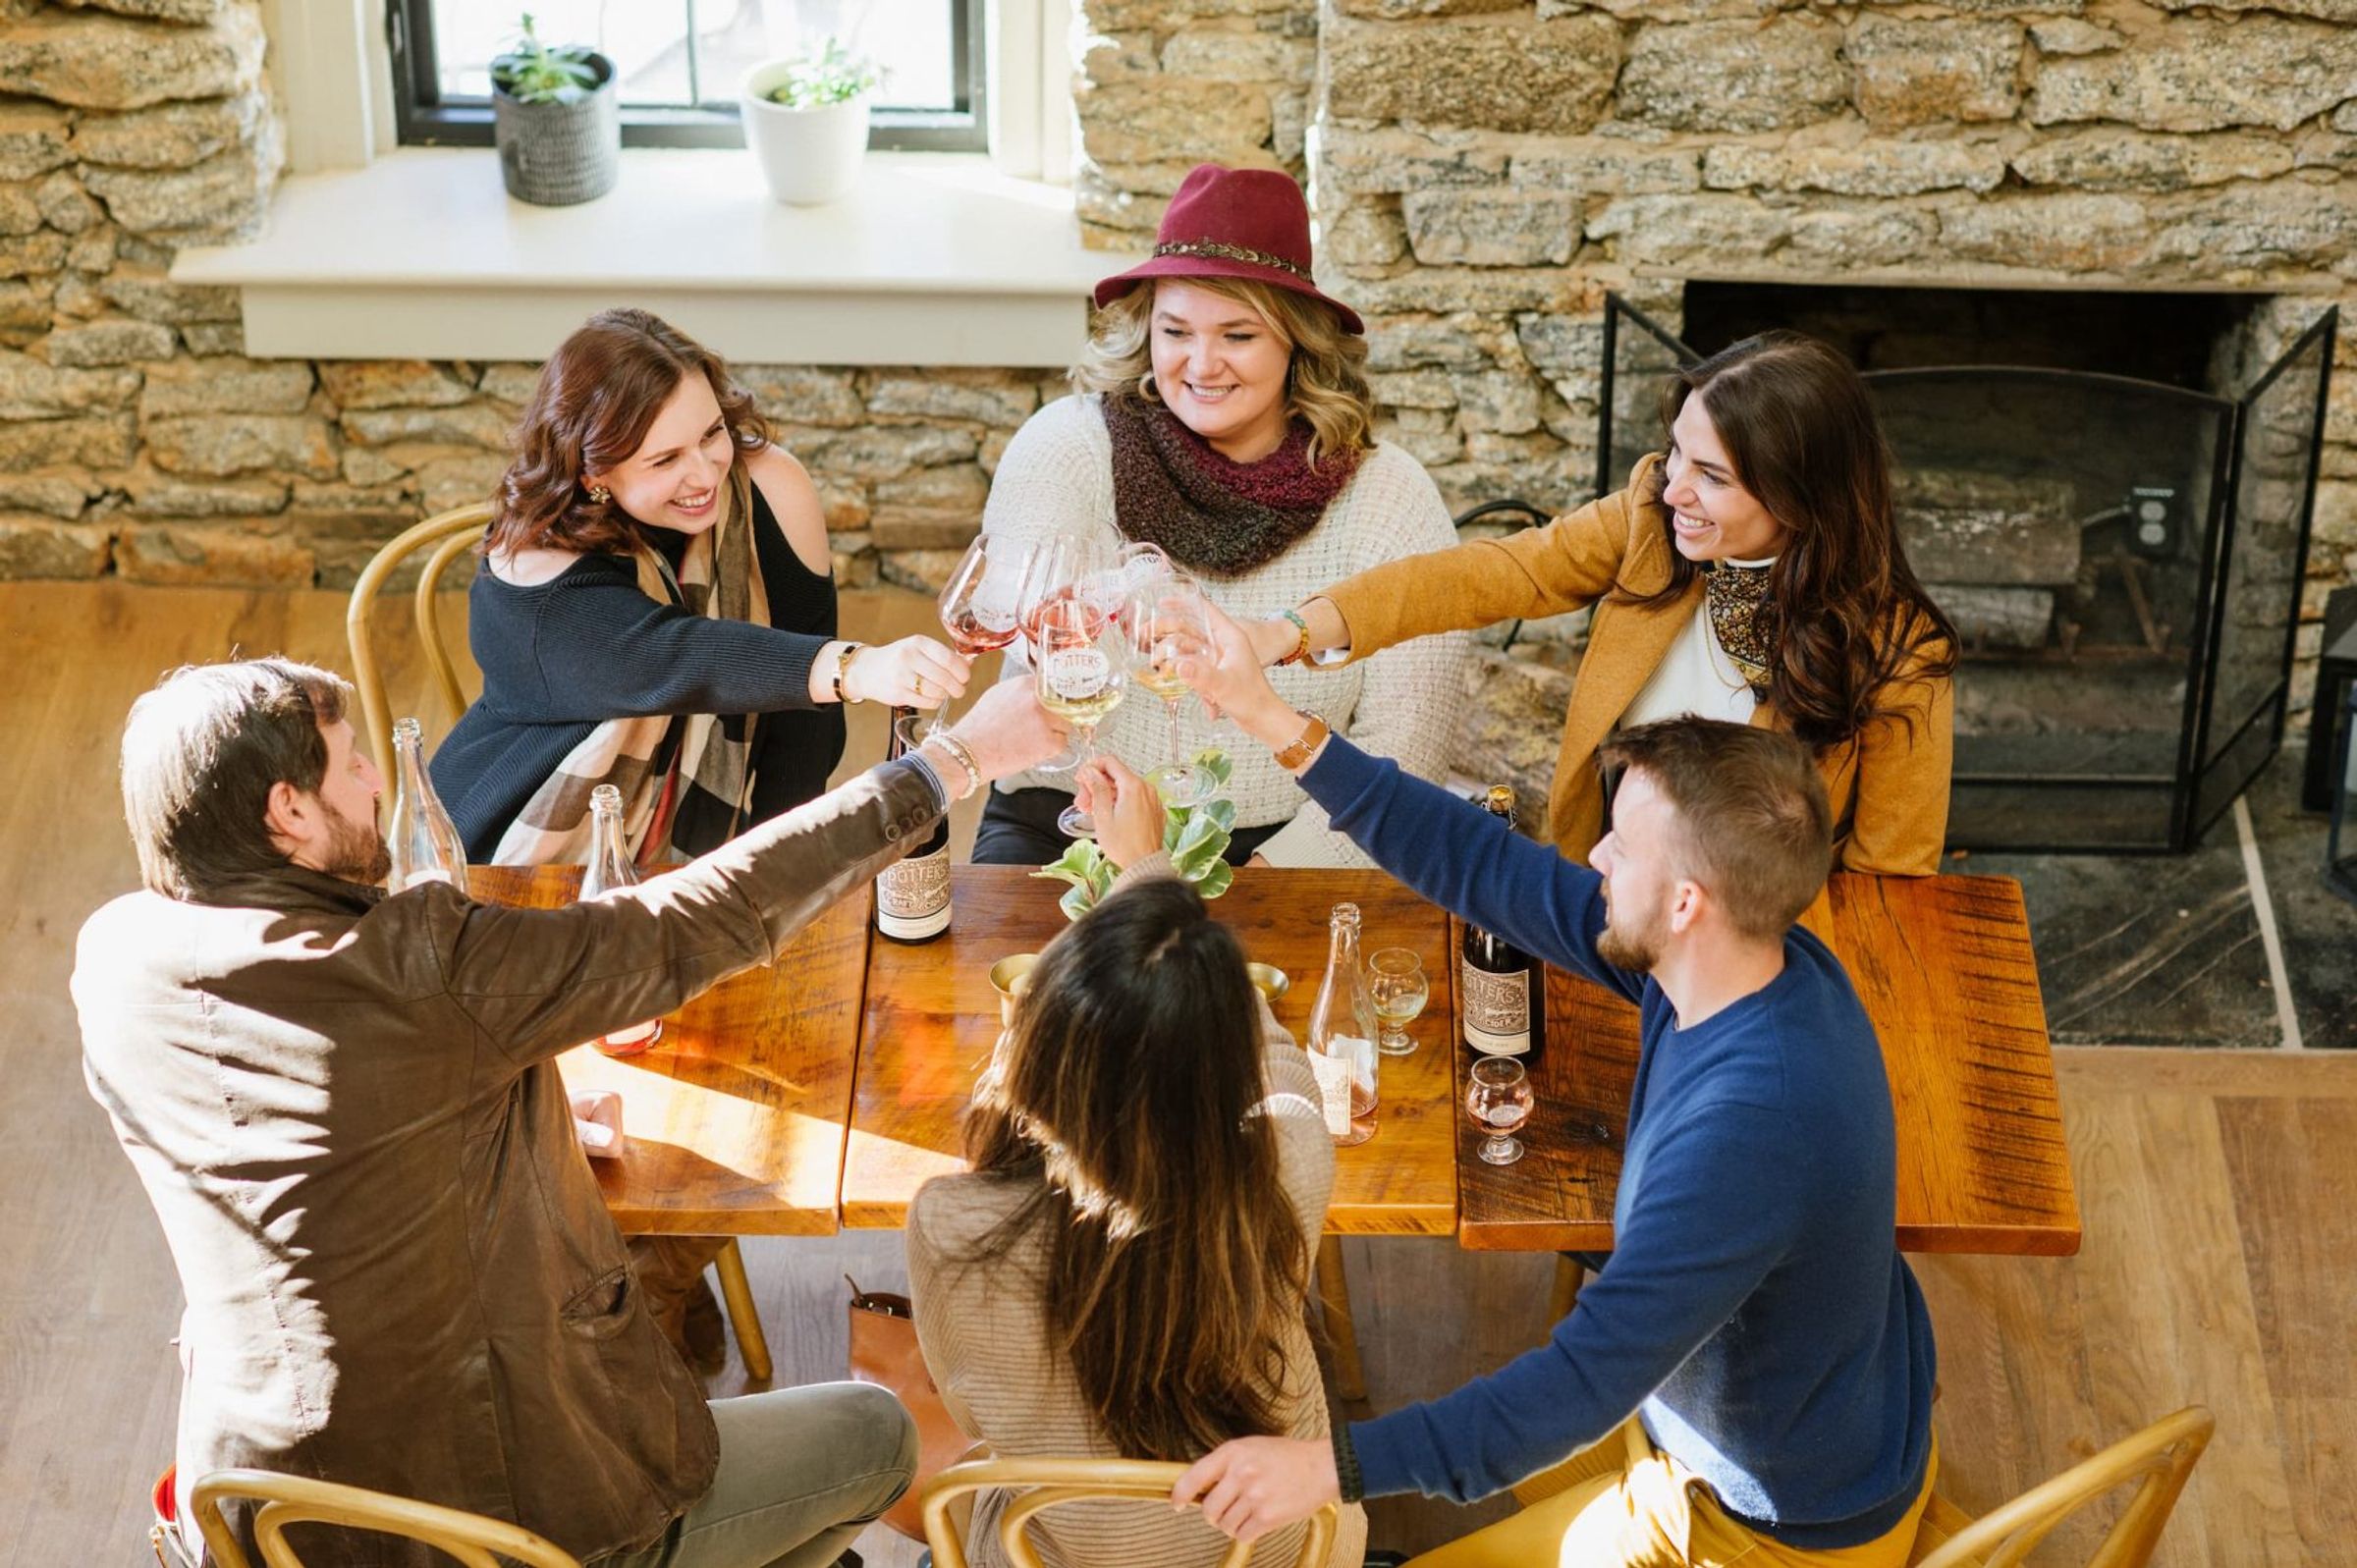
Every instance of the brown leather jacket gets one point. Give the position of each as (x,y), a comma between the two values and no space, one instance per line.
(346,1113)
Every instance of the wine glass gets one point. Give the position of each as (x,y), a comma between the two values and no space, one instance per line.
(1395,980)
(1081,674)
(1055,573)
(1163,621)
(983,602)
(1499,1101)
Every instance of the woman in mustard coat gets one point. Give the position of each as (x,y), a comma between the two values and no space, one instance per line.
(1751,572)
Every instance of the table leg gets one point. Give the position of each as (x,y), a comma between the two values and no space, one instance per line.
(1564,1293)
(1333,1293)
(738,1291)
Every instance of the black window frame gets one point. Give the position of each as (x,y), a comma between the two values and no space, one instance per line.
(422,118)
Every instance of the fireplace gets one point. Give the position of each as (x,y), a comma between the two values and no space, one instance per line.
(2110,494)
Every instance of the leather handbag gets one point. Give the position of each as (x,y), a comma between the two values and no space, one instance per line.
(885,1353)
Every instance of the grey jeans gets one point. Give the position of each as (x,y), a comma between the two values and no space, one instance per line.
(802,1471)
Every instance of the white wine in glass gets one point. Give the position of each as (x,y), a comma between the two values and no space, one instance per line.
(1080,674)
(1164,621)
(1395,981)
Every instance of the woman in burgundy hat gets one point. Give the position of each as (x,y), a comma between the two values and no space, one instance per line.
(1224,416)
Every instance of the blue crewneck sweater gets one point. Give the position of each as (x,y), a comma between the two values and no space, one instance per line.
(1755,1309)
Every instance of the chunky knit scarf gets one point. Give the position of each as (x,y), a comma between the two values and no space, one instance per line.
(1209,514)
(1741,618)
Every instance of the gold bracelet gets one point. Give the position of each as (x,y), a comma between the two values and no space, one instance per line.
(842,667)
(962,755)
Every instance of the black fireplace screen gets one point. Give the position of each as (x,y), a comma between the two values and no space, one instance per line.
(2122,561)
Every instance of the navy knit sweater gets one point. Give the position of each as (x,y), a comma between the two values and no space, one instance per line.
(560,657)
(1755,1309)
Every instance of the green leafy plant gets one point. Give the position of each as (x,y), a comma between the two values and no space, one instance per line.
(833,75)
(1196,836)
(532,72)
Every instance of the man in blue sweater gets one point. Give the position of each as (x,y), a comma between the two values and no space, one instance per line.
(1750,1373)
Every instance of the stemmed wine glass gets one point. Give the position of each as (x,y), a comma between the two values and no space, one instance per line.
(1081,674)
(1164,619)
(1395,981)
(1499,1101)
(1062,569)
(981,604)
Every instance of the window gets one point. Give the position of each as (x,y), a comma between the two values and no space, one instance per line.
(680,61)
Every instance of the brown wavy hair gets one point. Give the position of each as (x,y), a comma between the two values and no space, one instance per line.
(1123,1106)
(1845,613)
(596,398)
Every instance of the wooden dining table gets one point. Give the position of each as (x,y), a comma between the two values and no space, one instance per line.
(825,1089)
(734,1119)
(932,1018)
(1944,969)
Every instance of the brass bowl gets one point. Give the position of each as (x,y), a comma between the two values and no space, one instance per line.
(1269,980)
(1008,977)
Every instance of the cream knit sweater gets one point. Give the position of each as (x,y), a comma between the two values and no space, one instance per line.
(1057,477)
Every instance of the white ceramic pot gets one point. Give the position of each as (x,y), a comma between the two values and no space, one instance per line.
(808,156)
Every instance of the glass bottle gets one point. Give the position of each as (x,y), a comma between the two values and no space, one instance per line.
(912,894)
(424,843)
(1505,996)
(1342,1034)
(610,867)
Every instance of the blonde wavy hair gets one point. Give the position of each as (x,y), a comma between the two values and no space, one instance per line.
(1325,386)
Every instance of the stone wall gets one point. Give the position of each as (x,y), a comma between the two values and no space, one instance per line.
(136,438)
(1485,170)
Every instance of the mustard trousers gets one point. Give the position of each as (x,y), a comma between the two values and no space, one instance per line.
(1622,1504)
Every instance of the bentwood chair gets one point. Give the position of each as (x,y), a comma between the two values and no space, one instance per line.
(290,1500)
(2159,1459)
(449,535)
(1052,1482)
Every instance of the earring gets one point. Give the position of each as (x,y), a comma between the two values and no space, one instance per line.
(600,494)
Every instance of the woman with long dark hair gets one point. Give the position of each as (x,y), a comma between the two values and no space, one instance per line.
(1752,573)
(656,611)
(1124,1272)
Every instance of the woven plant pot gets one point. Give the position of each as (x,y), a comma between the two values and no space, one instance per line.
(557,154)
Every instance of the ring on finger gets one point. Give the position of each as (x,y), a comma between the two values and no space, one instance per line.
(919,683)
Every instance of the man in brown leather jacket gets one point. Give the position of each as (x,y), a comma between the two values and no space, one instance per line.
(345,1110)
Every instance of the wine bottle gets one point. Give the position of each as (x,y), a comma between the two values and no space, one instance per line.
(912,894)
(1341,1035)
(610,867)
(1504,989)
(424,843)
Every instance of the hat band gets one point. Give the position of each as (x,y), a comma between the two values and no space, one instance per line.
(1228,253)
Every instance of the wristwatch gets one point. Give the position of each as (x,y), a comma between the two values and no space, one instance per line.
(1313,735)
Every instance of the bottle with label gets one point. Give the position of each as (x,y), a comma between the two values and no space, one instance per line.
(912,895)
(610,867)
(1503,988)
(425,842)
(1342,1035)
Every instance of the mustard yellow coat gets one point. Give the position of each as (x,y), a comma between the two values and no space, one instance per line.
(1888,785)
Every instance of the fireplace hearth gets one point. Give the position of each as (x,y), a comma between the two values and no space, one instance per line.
(2110,496)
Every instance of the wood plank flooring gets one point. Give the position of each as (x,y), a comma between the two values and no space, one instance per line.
(2219,1189)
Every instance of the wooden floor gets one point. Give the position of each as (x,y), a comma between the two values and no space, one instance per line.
(2220,1192)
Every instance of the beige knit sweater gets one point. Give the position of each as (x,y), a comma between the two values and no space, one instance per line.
(984,1335)
(1057,477)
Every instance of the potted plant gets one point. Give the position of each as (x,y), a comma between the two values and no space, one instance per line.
(805,120)
(556,120)
(1196,836)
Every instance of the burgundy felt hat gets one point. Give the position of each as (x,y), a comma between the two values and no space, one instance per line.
(1233,223)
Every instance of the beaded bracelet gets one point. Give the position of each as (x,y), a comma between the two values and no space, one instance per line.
(1300,648)
(962,755)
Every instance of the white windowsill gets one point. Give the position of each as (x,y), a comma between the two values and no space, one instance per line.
(936,260)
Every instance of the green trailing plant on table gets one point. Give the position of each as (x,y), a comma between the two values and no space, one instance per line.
(1196,836)
(533,72)
(833,75)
